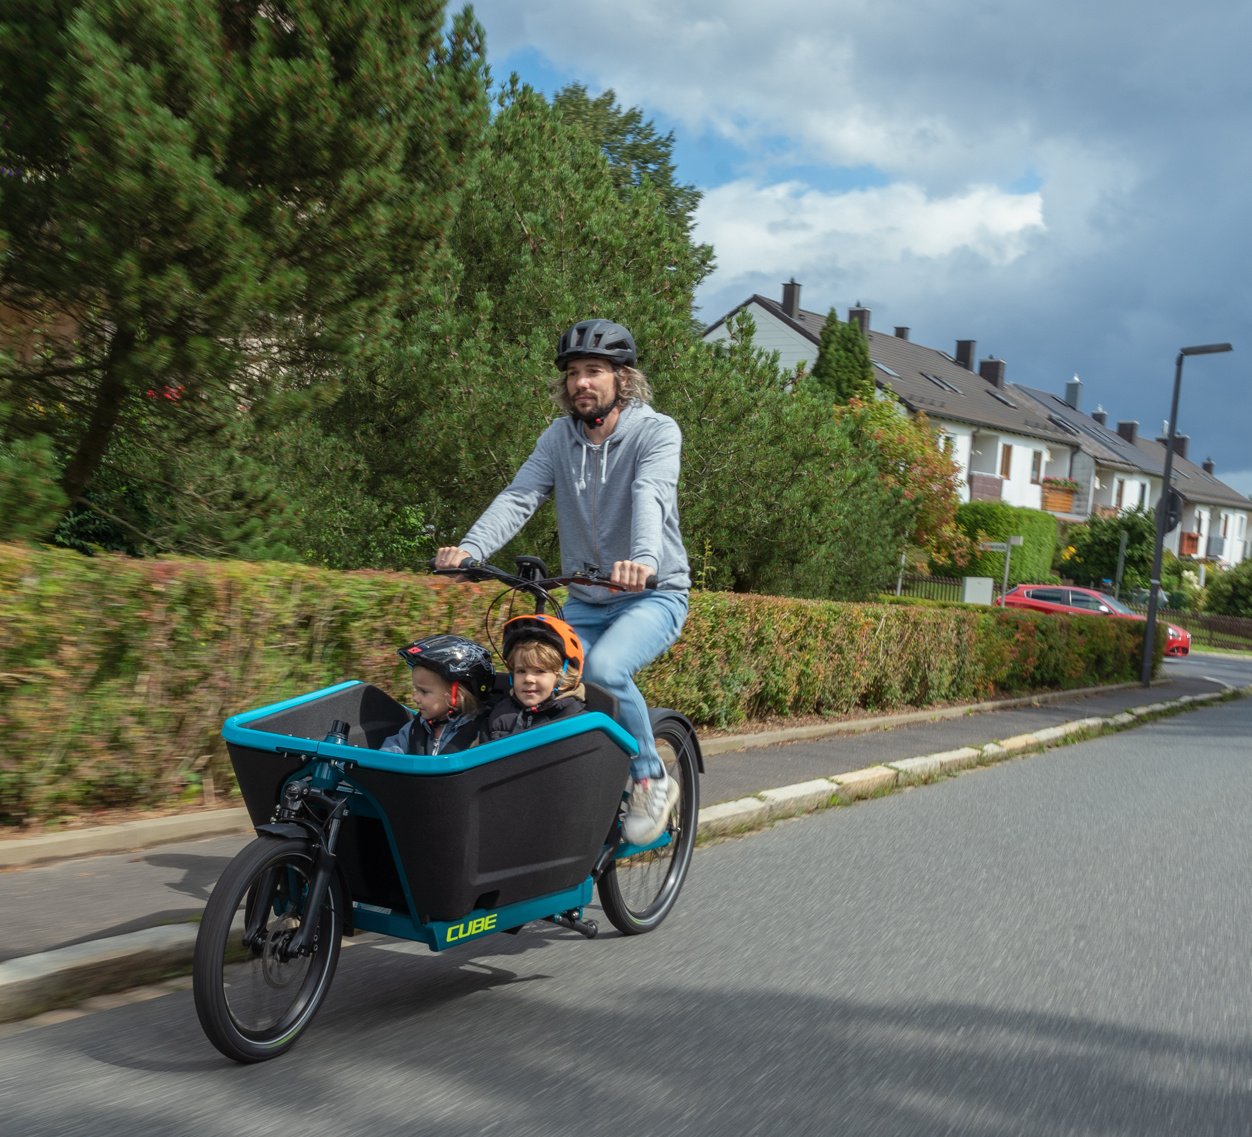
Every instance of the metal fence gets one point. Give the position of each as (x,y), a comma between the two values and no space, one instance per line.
(930,587)
(1222,633)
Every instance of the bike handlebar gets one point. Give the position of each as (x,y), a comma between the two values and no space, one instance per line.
(479,570)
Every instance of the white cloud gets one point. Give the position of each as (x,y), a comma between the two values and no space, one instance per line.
(789,228)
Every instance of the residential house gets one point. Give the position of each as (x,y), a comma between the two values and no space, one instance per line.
(1127,471)
(1006,438)
(1003,444)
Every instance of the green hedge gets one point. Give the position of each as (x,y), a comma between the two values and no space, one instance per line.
(1030,562)
(116,674)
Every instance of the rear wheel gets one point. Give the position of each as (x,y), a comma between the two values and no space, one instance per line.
(253,1000)
(638,892)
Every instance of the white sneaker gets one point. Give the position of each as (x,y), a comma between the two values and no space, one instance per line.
(652,800)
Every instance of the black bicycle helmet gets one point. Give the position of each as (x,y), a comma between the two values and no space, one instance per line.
(456,659)
(602,338)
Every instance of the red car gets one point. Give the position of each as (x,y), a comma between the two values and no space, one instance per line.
(1062,598)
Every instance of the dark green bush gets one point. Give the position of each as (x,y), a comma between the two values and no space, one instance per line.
(1029,563)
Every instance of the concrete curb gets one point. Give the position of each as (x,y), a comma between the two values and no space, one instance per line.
(32,985)
(21,852)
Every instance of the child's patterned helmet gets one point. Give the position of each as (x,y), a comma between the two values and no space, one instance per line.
(456,659)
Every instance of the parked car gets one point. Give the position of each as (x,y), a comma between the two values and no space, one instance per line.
(1058,598)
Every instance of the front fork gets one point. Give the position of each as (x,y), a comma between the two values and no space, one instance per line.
(325,839)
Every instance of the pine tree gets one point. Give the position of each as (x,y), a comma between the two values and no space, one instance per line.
(636,153)
(544,237)
(843,369)
(216,210)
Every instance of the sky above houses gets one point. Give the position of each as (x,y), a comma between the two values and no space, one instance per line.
(1068,184)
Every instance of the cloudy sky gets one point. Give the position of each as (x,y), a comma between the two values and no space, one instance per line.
(1069,184)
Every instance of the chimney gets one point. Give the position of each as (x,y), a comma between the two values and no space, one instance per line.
(902,333)
(1180,443)
(1128,430)
(965,353)
(1073,389)
(1207,466)
(1100,415)
(993,371)
(860,317)
(791,298)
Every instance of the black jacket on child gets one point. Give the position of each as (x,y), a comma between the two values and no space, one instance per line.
(508,716)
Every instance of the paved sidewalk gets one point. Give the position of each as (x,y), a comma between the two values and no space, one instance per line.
(123,914)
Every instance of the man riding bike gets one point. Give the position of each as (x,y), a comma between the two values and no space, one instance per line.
(612,464)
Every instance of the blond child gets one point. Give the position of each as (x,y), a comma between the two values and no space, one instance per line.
(452,678)
(545,661)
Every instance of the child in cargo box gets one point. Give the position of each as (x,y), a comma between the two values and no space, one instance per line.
(452,677)
(545,660)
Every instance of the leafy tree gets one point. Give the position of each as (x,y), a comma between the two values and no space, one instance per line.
(843,370)
(230,204)
(544,237)
(1229,593)
(918,472)
(834,493)
(1091,550)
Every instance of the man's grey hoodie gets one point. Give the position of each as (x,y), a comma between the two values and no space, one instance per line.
(616,501)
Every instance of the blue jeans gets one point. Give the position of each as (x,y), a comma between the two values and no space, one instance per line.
(619,639)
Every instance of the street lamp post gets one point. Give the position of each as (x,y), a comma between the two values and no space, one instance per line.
(1162,506)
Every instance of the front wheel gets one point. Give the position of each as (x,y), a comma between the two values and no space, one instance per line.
(252,998)
(638,892)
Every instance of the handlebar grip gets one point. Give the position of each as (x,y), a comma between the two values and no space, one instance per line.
(468,563)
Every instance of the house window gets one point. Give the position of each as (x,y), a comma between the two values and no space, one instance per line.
(1143,494)
(1036,466)
(942,383)
(1119,492)
(1006,461)
(1225,524)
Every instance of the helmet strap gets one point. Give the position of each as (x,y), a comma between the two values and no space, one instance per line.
(456,687)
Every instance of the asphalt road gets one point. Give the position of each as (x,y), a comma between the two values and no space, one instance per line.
(1050,946)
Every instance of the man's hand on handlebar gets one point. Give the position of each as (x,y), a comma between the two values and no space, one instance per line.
(450,557)
(631,575)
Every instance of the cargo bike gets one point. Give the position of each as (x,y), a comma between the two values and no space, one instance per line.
(443,849)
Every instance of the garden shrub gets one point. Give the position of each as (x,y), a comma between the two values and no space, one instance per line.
(116,674)
(1030,562)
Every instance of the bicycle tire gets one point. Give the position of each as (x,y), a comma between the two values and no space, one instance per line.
(252,1003)
(638,892)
